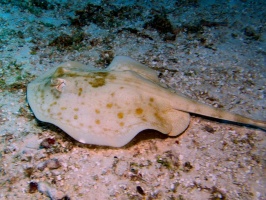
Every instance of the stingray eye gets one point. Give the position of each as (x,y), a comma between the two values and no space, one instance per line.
(58,84)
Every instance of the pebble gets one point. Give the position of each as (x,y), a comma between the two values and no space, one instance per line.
(53,163)
(50,164)
(48,190)
(33,143)
(33,187)
(47,143)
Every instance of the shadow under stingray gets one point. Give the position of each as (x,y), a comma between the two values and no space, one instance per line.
(148,134)
(144,135)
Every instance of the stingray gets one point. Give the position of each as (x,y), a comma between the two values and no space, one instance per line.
(111,106)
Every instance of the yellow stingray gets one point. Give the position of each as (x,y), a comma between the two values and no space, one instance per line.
(111,106)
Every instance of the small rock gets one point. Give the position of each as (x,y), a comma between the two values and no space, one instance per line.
(140,190)
(208,128)
(187,166)
(32,142)
(41,166)
(50,191)
(53,163)
(47,143)
(33,187)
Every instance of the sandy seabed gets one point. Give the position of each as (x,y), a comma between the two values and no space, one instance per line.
(213,53)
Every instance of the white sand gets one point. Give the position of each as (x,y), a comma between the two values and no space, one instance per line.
(210,160)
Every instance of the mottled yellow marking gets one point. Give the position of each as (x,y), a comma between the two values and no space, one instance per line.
(59,113)
(68,120)
(97,121)
(80,91)
(48,110)
(54,103)
(151,99)
(63,108)
(98,79)
(121,87)
(144,119)
(121,123)
(109,105)
(139,111)
(120,115)
(113,94)
(55,93)
(59,72)
(81,124)
(97,111)
(160,118)
(75,117)
(76,109)
(82,103)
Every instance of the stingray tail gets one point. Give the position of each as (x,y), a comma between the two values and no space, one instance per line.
(191,106)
